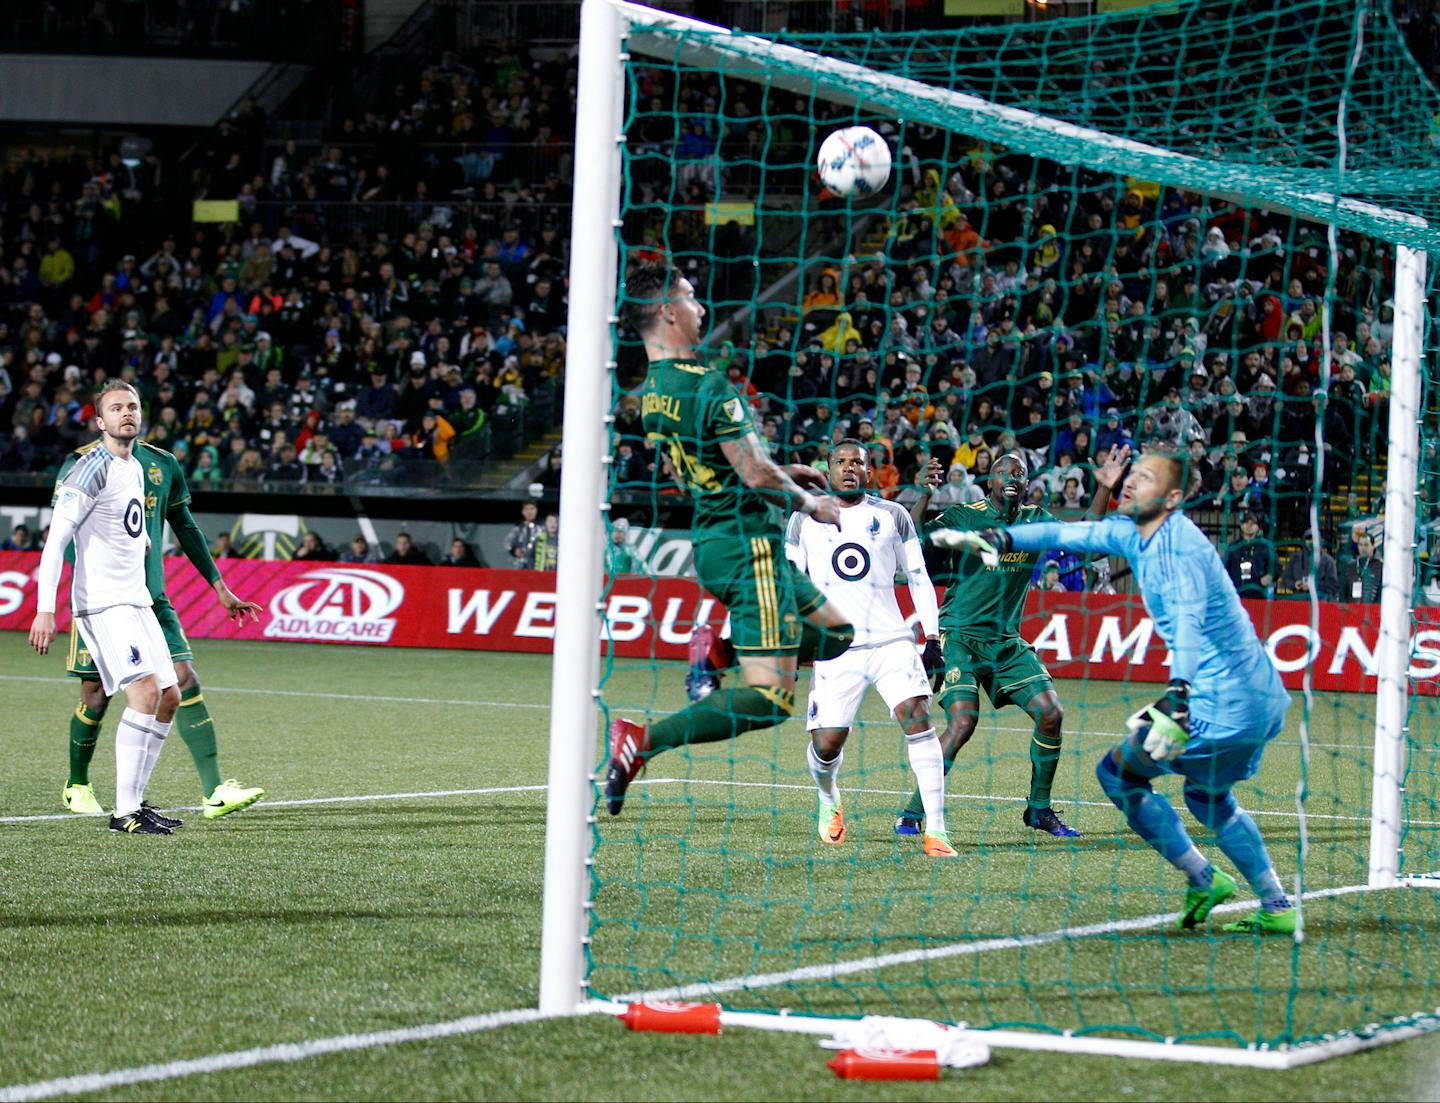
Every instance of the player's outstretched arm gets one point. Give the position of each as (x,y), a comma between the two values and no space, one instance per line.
(934,477)
(237,607)
(192,542)
(1108,477)
(758,472)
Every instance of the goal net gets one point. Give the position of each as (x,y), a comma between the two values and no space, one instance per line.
(1202,223)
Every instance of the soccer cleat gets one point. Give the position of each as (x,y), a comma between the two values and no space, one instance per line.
(137,824)
(150,813)
(629,744)
(229,796)
(1045,819)
(82,799)
(1263,922)
(830,823)
(938,846)
(703,678)
(907,826)
(1199,903)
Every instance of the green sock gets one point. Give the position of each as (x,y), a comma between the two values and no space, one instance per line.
(1044,758)
(724,714)
(84,731)
(198,731)
(915,810)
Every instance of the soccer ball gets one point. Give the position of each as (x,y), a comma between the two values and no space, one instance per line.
(854,161)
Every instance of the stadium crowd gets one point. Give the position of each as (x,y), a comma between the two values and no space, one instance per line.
(1009,304)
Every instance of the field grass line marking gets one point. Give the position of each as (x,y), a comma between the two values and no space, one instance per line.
(464,702)
(263,1055)
(357,799)
(287,1052)
(361,798)
(833,970)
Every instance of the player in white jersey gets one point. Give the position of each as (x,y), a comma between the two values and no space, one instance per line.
(855,564)
(100,505)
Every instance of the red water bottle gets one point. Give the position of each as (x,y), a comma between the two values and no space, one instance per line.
(673,1018)
(886,1064)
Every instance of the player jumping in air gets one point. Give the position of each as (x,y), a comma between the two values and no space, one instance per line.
(167,498)
(980,633)
(1225,701)
(854,564)
(693,413)
(100,505)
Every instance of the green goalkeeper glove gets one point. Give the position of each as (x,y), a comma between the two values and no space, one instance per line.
(1166,723)
(988,544)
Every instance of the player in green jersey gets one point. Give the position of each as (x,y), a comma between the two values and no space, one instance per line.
(980,632)
(167,498)
(693,414)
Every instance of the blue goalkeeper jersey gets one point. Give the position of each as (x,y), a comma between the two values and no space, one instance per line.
(1233,685)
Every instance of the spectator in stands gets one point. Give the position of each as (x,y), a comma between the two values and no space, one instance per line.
(619,556)
(1251,563)
(1362,577)
(520,541)
(1304,565)
(223,547)
(284,468)
(406,553)
(1050,578)
(312,547)
(460,555)
(19,539)
(545,553)
(359,551)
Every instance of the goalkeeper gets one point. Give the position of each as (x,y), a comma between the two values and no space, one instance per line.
(1224,703)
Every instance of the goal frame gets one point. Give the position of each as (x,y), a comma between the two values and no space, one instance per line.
(606,34)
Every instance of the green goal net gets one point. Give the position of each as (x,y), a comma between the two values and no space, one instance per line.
(1202,224)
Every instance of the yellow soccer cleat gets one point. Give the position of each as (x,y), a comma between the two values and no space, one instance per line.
(82,799)
(229,797)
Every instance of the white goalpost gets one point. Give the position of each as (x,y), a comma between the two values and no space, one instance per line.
(605,37)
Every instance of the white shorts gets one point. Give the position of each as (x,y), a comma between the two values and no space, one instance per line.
(839,684)
(126,643)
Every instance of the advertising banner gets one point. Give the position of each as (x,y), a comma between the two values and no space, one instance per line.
(1076,635)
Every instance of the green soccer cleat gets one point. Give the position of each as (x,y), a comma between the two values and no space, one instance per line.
(1199,903)
(82,799)
(1263,922)
(229,797)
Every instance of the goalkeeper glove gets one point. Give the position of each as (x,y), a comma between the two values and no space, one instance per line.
(1166,723)
(934,662)
(988,544)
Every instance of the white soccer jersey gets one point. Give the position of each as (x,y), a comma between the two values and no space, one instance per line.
(855,567)
(101,506)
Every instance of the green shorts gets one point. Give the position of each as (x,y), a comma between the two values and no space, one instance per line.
(765,595)
(80,665)
(1007,669)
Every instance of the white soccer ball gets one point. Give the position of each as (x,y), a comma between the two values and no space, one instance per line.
(854,161)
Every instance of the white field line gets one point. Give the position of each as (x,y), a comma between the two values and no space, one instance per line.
(298,1051)
(262,1055)
(974,798)
(469,702)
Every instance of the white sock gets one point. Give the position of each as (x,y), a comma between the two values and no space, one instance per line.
(154,744)
(132,739)
(824,772)
(927,760)
(1197,868)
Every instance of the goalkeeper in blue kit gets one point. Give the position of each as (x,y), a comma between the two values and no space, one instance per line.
(1224,703)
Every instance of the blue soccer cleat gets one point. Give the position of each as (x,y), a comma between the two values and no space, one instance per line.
(907,826)
(1045,819)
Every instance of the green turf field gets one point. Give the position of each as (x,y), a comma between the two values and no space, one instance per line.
(367,894)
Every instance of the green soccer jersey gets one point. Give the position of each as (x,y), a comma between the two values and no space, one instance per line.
(689,410)
(165,489)
(983,602)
